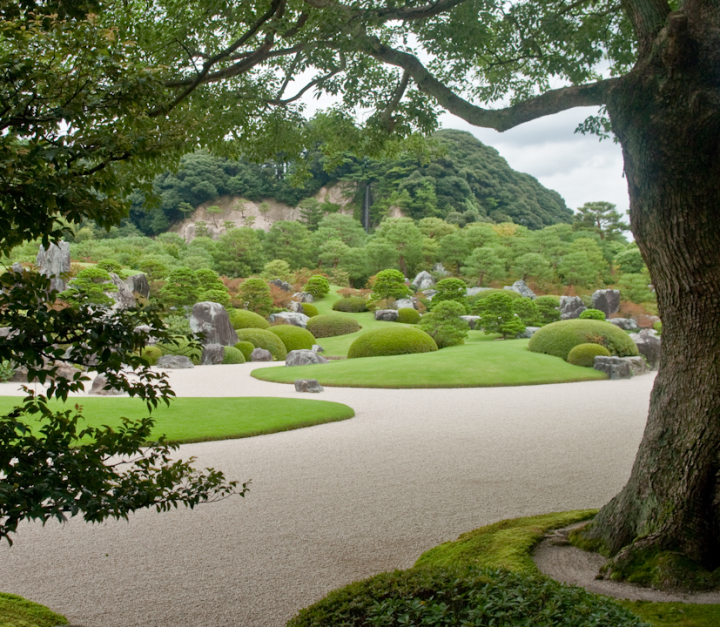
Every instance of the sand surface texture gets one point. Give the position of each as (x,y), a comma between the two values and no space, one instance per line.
(333,503)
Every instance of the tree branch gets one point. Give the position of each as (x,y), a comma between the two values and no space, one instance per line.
(386,116)
(647,18)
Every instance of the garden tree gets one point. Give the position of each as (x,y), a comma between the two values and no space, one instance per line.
(317,285)
(548,309)
(484,263)
(629,260)
(435,228)
(276,269)
(445,325)
(578,268)
(181,288)
(339,225)
(332,252)
(355,263)
(601,218)
(208,279)
(239,252)
(451,289)
(255,296)
(497,315)
(405,240)
(454,250)
(636,288)
(532,265)
(90,285)
(551,242)
(291,241)
(526,310)
(389,284)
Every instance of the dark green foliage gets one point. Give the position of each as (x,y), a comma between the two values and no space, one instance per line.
(208,279)
(246,348)
(592,314)
(408,315)
(182,346)
(584,354)
(475,299)
(526,310)
(445,325)
(155,266)
(451,289)
(110,265)
(317,285)
(635,288)
(497,314)
(289,241)
(330,325)
(18,612)
(7,370)
(309,310)
(239,252)
(294,338)
(392,341)
(244,319)
(90,285)
(630,261)
(182,288)
(389,284)
(151,354)
(548,309)
(260,338)
(221,297)
(559,338)
(255,295)
(601,218)
(351,304)
(232,355)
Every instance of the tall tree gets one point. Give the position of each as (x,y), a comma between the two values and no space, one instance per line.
(601,218)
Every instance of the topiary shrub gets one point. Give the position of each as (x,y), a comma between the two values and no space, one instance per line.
(246,348)
(317,285)
(351,304)
(330,325)
(592,314)
(310,310)
(548,309)
(389,284)
(584,354)
(444,324)
(475,298)
(260,338)
(151,354)
(244,319)
(182,347)
(232,355)
(451,290)
(497,314)
(408,315)
(294,338)
(392,341)
(110,265)
(255,294)
(559,338)
(221,297)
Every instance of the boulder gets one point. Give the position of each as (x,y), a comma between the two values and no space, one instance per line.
(138,284)
(626,324)
(296,307)
(649,344)
(261,354)
(98,387)
(423,281)
(471,320)
(521,288)
(304,357)
(388,315)
(212,354)
(620,367)
(295,319)
(438,268)
(174,362)
(308,385)
(317,348)
(429,294)
(303,297)
(124,298)
(571,307)
(54,262)
(527,333)
(145,330)
(607,301)
(17,267)
(212,319)
(64,370)
(405,303)
(472,291)
(283,285)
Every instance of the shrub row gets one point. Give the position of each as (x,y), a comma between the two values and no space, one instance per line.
(330,325)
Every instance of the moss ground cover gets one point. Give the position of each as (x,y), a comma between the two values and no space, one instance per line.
(203,419)
(18,612)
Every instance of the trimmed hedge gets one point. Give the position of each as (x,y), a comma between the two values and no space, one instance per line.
(182,347)
(391,341)
(584,354)
(244,319)
(559,338)
(152,354)
(330,325)
(232,355)
(592,314)
(310,310)
(408,315)
(351,304)
(260,338)
(246,348)
(294,338)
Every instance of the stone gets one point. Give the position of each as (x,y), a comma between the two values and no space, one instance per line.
(626,324)
(607,301)
(64,371)
(54,262)
(296,307)
(283,285)
(303,297)
(429,294)
(571,307)
(614,367)
(295,319)
(174,362)
(423,281)
(304,357)
(138,284)
(308,385)
(212,354)
(471,320)
(637,364)
(213,321)
(649,344)
(98,387)
(438,268)
(261,354)
(145,329)
(317,348)
(387,315)
(527,333)
(472,291)
(123,297)
(521,288)
(405,303)
(17,267)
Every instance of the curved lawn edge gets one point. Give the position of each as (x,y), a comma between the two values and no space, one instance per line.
(15,610)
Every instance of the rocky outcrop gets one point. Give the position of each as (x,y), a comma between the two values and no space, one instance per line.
(295,319)
(283,285)
(123,297)
(317,348)
(261,354)
(571,307)
(308,385)
(620,367)
(54,262)
(304,357)
(423,281)
(212,354)
(406,303)
(520,287)
(138,284)
(303,297)
(438,268)
(171,362)
(649,344)
(387,315)
(626,324)
(473,291)
(213,321)
(607,301)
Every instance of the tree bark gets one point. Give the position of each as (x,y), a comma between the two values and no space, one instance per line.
(666,114)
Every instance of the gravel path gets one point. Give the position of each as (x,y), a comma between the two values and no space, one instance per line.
(334,503)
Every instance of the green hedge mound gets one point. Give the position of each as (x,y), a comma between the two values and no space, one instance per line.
(232,355)
(351,304)
(310,310)
(592,314)
(330,325)
(584,354)
(392,341)
(244,319)
(152,354)
(18,612)
(260,338)
(182,347)
(559,338)
(246,348)
(408,315)
(294,338)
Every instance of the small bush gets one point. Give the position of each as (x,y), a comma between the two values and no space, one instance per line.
(559,338)
(216,296)
(408,315)
(310,310)
(151,354)
(389,284)
(260,338)
(244,319)
(110,265)
(485,293)
(317,285)
(584,354)
(255,294)
(451,290)
(444,324)
(392,341)
(330,325)
(232,355)
(592,314)
(182,347)
(352,304)
(548,309)
(294,338)
(246,348)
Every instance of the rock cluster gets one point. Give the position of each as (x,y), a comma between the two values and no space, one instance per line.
(294,318)
(649,344)
(387,315)
(620,367)
(213,321)
(571,307)
(607,301)
(54,262)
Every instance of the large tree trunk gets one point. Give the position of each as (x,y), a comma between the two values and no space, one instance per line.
(666,114)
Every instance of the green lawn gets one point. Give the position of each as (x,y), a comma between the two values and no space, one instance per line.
(202,419)
(18,612)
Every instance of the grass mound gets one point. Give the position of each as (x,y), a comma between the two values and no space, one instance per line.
(18,612)
(294,338)
(559,338)
(330,325)
(392,341)
(309,310)
(244,319)
(584,354)
(260,338)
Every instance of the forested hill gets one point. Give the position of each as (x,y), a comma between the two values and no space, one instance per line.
(466,182)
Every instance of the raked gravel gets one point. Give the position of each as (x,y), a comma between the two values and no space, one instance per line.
(334,503)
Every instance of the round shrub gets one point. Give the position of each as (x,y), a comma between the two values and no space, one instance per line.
(216,296)
(294,338)
(485,293)
(232,355)
(548,309)
(392,341)
(151,354)
(310,310)
(592,314)
(351,304)
(244,319)
(389,284)
(317,285)
(182,347)
(260,338)
(110,265)
(559,338)
(330,325)
(444,324)
(246,348)
(584,354)
(408,315)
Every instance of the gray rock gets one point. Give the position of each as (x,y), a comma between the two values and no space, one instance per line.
(619,367)
(571,307)
(212,319)
(174,362)
(527,333)
(283,285)
(472,291)
(145,329)
(7,332)
(212,354)
(438,268)
(296,307)
(317,348)
(98,387)
(388,315)
(521,288)
(261,354)
(123,297)
(303,297)
(607,301)
(423,281)
(295,319)
(17,267)
(649,344)
(54,262)
(626,324)
(64,371)
(429,294)
(405,303)
(471,320)
(637,364)
(138,284)
(308,385)
(304,357)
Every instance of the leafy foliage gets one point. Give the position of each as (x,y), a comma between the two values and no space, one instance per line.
(444,324)
(350,304)
(317,285)
(255,295)
(592,314)
(389,284)
(391,341)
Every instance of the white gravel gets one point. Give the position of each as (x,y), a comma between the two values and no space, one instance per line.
(333,503)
